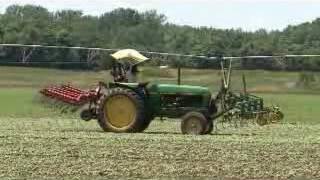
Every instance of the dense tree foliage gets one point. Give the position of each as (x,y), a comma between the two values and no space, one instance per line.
(148,31)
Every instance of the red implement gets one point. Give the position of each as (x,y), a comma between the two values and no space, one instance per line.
(69,94)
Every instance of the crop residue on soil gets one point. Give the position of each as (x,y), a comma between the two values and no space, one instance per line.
(68,147)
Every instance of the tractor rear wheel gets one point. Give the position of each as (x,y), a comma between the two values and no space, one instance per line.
(194,123)
(121,110)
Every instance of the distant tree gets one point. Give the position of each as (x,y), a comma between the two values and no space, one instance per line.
(150,31)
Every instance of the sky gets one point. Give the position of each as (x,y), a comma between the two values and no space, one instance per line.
(249,15)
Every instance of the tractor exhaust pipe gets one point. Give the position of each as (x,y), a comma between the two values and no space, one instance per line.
(244,84)
(179,75)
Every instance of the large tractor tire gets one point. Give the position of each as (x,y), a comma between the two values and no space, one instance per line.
(121,111)
(194,123)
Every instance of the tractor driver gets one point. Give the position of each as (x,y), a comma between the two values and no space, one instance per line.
(124,72)
(125,67)
(118,72)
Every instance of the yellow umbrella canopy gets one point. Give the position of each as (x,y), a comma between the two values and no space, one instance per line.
(129,55)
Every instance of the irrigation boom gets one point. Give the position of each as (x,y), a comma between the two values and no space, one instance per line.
(164,53)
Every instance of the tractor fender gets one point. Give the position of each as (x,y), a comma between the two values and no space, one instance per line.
(139,89)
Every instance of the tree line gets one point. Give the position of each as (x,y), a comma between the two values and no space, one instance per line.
(147,31)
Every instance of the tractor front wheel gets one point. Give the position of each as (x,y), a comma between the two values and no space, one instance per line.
(194,123)
(262,119)
(121,111)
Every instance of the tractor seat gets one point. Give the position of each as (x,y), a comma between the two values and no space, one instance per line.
(143,84)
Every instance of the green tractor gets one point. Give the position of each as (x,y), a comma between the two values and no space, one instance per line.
(130,107)
(124,106)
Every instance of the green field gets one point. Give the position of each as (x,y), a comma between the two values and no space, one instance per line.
(38,142)
(257,80)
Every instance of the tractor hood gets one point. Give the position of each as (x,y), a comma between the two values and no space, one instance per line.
(168,89)
(179,89)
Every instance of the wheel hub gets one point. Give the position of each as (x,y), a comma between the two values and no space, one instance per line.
(120,111)
(193,126)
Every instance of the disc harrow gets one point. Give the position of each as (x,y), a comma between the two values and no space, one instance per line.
(69,94)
